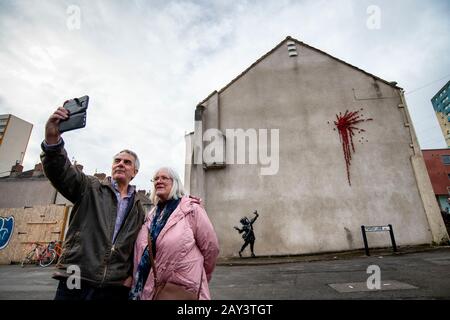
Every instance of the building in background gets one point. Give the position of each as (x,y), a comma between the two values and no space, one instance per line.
(29,188)
(32,188)
(32,210)
(441,105)
(319,147)
(14,136)
(438,166)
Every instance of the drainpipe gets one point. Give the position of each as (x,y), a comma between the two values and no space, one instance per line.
(199,184)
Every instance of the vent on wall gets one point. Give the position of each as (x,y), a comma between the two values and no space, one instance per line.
(292,49)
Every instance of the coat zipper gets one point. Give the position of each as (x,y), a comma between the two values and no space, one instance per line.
(106,265)
(117,236)
(112,248)
(114,244)
(104,275)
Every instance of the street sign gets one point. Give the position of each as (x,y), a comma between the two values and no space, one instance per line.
(389,228)
(377,228)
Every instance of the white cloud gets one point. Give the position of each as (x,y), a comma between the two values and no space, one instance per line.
(146,64)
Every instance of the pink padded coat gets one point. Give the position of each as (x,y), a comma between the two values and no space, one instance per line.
(186,250)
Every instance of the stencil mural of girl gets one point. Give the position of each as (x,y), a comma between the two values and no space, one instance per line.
(249,235)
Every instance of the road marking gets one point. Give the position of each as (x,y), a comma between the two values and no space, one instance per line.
(362,286)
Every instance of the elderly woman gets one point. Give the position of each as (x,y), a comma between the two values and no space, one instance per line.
(184,243)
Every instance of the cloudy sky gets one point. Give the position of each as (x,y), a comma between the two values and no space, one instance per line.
(146,64)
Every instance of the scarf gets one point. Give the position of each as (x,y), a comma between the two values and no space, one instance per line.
(163,212)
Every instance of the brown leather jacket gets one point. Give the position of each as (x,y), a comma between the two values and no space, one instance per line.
(88,242)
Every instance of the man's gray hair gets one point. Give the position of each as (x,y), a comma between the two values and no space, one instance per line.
(177,190)
(136,159)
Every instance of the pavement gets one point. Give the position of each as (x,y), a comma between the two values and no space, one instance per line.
(418,273)
(264,260)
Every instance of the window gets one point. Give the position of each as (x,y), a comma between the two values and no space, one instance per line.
(446,159)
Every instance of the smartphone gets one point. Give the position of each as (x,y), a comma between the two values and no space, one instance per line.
(77,108)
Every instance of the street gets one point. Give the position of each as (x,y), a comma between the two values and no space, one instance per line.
(418,275)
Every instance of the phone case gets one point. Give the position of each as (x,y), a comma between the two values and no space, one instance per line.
(77,114)
(77,105)
(76,121)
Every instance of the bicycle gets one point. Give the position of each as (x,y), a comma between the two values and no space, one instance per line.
(44,256)
(57,246)
(54,246)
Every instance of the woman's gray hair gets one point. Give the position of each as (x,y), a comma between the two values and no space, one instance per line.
(133,154)
(177,190)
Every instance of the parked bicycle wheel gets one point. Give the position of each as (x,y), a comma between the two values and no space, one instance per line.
(28,258)
(48,259)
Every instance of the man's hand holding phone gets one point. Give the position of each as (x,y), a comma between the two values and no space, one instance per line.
(71,116)
(77,114)
(52,134)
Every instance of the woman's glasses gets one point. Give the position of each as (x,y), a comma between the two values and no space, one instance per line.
(162,178)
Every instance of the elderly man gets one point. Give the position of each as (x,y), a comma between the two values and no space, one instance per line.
(106,218)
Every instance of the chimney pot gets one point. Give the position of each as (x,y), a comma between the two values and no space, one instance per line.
(16,170)
(38,170)
(100,176)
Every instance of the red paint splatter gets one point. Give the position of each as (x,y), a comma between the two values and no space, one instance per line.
(346,127)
